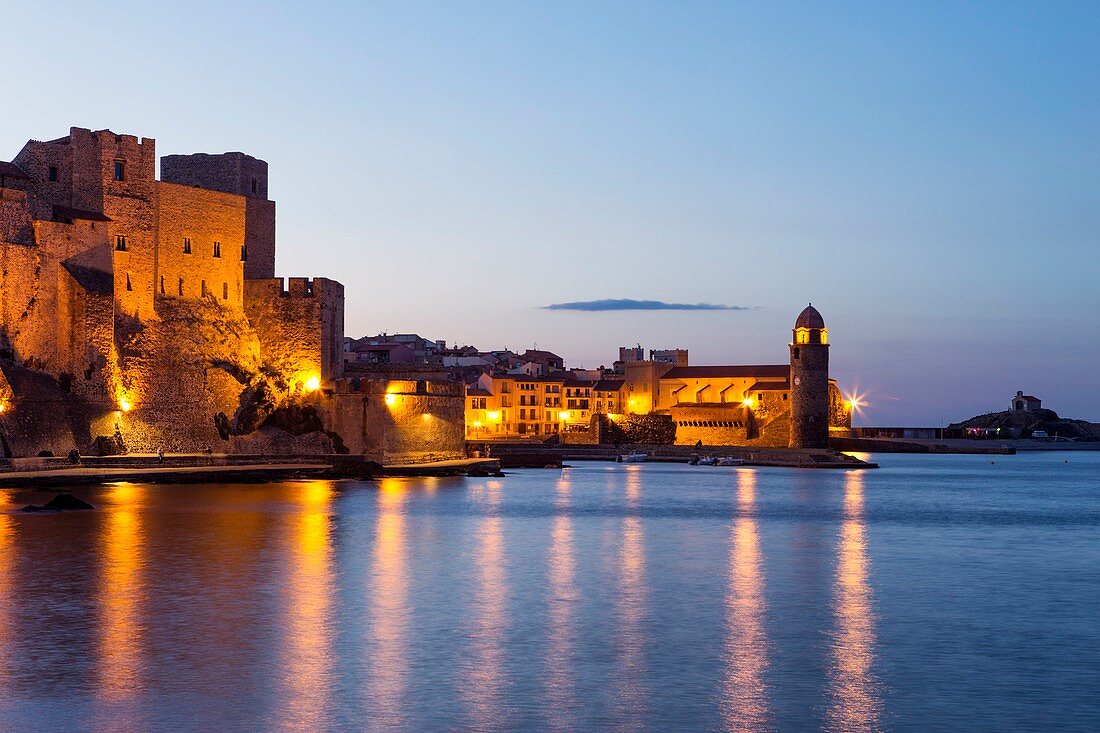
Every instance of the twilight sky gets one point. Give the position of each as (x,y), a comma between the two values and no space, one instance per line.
(928,174)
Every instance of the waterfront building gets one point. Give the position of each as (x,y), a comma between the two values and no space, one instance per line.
(794,404)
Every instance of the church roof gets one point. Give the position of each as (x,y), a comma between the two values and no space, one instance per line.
(809,318)
(769,386)
(708,372)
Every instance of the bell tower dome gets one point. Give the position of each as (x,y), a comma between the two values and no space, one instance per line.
(810,381)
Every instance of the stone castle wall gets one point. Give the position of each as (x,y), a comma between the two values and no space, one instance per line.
(409,421)
(242,175)
(301,326)
(196,219)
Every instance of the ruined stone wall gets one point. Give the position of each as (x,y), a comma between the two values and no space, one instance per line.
(200,218)
(301,328)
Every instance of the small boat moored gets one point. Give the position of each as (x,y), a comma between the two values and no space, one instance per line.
(633,457)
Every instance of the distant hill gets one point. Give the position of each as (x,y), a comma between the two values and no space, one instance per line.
(1028,422)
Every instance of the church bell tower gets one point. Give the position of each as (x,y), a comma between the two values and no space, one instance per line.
(810,381)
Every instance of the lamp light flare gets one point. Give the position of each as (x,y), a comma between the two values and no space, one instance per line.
(313,384)
(391,399)
(563,415)
(125,405)
(748,402)
(855,403)
(493,416)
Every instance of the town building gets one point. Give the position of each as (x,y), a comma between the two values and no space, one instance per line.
(794,404)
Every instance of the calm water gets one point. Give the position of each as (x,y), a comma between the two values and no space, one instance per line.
(937,593)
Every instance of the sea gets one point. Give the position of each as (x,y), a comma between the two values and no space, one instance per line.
(935,593)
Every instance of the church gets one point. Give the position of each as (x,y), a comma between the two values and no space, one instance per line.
(792,405)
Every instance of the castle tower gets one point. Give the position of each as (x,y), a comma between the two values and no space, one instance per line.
(810,381)
(239,174)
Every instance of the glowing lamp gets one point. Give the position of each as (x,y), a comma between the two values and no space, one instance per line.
(477,423)
(493,416)
(563,415)
(747,402)
(3,407)
(125,405)
(313,384)
(391,399)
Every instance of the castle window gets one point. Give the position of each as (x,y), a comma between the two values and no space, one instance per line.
(187,245)
(254,187)
(225,291)
(120,170)
(244,253)
(796,353)
(181,287)
(162,284)
(202,288)
(53,173)
(120,242)
(129,285)
(217,249)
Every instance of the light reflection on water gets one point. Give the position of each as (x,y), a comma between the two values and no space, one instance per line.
(388,612)
(854,691)
(562,597)
(7,563)
(638,597)
(744,700)
(120,637)
(631,595)
(484,694)
(306,679)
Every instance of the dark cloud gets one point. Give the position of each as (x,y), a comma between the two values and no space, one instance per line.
(627,304)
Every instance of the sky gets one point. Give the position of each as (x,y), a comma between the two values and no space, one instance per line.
(925,173)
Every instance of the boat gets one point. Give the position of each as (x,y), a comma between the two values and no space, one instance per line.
(633,457)
(705,461)
(730,461)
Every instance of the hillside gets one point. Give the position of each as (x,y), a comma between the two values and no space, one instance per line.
(1028,422)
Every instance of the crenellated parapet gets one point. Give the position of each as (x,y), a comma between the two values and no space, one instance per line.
(300,323)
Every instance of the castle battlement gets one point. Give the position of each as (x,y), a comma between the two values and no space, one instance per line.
(294,287)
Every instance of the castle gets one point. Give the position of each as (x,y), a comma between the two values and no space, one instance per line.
(139,314)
